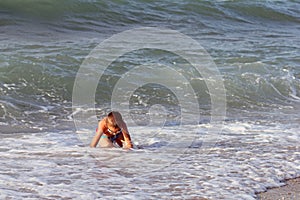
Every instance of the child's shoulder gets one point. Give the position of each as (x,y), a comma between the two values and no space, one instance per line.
(103,121)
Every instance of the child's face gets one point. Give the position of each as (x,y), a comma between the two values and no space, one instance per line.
(112,121)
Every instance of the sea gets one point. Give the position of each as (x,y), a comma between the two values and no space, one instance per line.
(210,92)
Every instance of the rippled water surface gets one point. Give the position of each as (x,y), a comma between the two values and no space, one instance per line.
(255,46)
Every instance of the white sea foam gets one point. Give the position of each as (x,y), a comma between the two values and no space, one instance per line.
(168,163)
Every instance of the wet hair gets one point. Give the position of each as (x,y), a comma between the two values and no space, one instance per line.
(116,115)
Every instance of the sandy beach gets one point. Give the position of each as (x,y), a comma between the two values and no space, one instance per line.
(290,191)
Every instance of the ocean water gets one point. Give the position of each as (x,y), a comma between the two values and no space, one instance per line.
(186,145)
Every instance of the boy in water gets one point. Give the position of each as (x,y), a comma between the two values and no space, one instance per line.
(112,130)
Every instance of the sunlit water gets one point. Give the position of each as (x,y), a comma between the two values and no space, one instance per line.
(255,45)
(246,158)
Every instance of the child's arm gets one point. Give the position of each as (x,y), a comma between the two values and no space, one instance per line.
(127,140)
(97,135)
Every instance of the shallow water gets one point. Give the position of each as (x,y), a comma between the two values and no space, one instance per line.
(44,147)
(246,158)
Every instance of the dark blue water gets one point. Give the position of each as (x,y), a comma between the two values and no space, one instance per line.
(255,46)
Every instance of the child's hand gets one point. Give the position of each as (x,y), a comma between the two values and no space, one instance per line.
(127,144)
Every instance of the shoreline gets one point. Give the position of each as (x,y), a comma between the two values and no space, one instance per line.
(289,191)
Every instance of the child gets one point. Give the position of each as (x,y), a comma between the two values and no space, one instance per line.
(112,130)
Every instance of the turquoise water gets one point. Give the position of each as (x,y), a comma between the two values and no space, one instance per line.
(254,45)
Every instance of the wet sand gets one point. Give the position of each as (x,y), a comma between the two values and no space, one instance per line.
(290,191)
